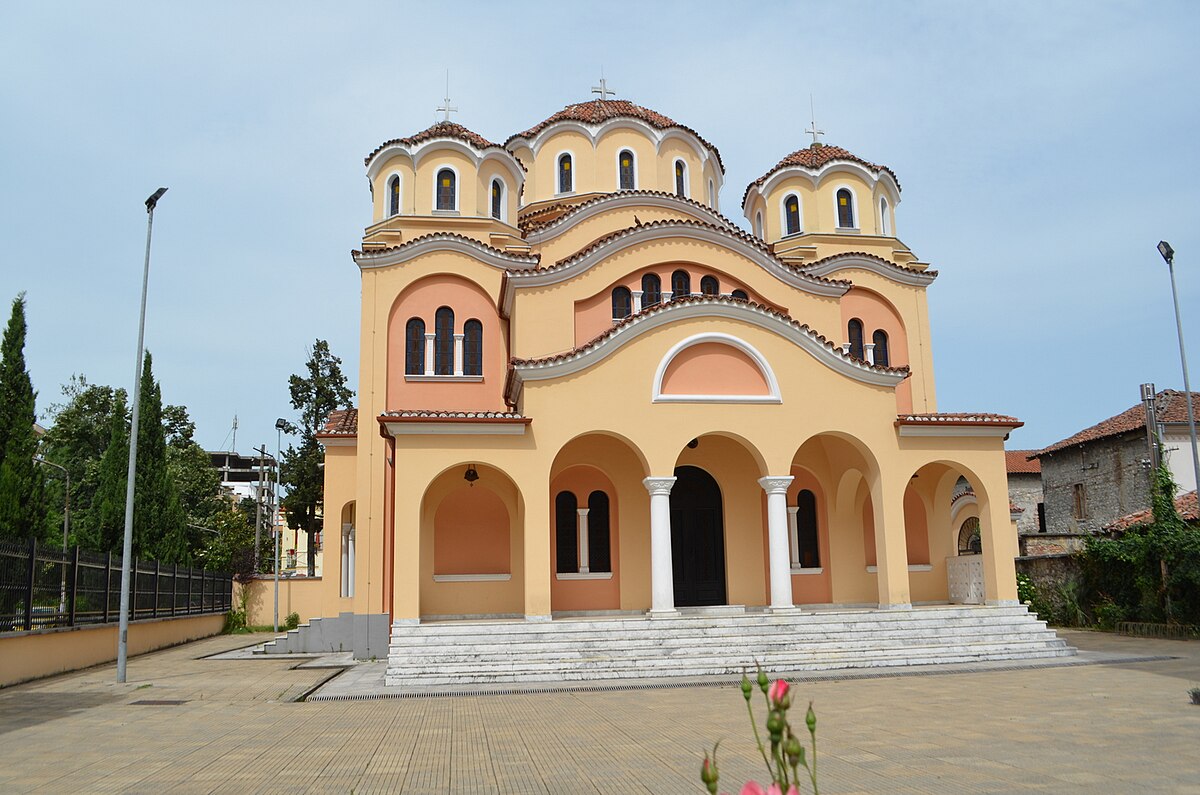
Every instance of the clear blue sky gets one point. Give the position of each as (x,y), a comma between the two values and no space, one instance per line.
(1043,148)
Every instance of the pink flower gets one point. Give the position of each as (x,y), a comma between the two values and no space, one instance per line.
(754,788)
(777,692)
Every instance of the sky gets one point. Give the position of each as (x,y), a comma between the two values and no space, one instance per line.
(1043,148)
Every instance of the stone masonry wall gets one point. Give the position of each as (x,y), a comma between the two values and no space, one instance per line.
(1115,476)
(1025,491)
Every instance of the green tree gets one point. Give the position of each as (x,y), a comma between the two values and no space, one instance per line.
(316,394)
(103,527)
(230,547)
(22,483)
(159,524)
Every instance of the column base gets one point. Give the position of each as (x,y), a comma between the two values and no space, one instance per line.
(785,610)
(668,613)
(1002,603)
(538,618)
(897,606)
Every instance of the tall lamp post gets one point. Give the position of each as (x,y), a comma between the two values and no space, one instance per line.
(62,592)
(127,545)
(280,424)
(1168,254)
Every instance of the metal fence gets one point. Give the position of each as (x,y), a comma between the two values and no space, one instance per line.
(1141,629)
(45,587)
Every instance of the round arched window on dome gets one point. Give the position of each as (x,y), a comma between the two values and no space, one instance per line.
(882,356)
(625,170)
(845,208)
(651,289)
(446,199)
(394,195)
(710,286)
(497,199)
(680,179)
(566,180)
(791,214)
(681,284)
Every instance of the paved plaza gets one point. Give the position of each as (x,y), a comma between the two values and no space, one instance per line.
(186,722)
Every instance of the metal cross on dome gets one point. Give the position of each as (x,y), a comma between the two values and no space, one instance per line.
(812,130)
(603,89)
(446,108)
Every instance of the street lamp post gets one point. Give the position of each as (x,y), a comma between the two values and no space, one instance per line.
(280,424)
(62,591)
(127,545)
(1168,254)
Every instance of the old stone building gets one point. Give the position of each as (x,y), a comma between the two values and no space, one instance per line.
(1025,490)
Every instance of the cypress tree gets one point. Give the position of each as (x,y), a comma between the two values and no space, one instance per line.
(158,520)
(105,528)
(22,484)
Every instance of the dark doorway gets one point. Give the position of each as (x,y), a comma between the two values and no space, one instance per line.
(697,539)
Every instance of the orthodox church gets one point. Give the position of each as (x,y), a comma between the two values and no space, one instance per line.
(586,392)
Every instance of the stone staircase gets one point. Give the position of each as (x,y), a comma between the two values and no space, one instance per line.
(725,641)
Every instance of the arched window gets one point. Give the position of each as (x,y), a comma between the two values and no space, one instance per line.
(970,542)
(443,341)
(651,289)
(394,195)
(681,284)
(497,199)
(758,227)
(414,347)
(622,303)
(472,347)
(712,194)
(710,286)
(880,338)
(807,539)
(566,181)
(446,200)
(680,178)
(791,214)
(739,295)
(625,170)
(599,548)
(885,223)
(566,536)
(845,208)
(855,330)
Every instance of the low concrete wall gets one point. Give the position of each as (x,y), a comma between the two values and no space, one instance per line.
(45,652)
(303,595)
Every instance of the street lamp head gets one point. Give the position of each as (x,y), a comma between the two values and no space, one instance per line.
(1167,252)
(281,424)
(153,200)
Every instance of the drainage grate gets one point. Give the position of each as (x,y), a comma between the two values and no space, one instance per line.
(159,702)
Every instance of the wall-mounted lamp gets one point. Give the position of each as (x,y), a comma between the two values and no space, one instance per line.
(471,475)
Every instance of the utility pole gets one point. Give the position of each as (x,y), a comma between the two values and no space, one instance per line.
(258,503)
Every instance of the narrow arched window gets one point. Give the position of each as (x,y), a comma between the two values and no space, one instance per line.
(566,180)
(414,347)
(855,330)
(472,347)
(497,199)
(710,286)
(845,208)
(622,303)
(807,538)
(625,169)
(443,341)
(758,227)
(712,194)
(394,195)
(791,213)
(445,190)
(880,338)
(651,289)
(970,540)
(599,547)
(680,178)
(681,284)
(885,223)
(566,513)
(739,295)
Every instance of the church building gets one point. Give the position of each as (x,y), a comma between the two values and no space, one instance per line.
(584,391)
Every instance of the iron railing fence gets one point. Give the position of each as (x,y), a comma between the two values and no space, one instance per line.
(44,587)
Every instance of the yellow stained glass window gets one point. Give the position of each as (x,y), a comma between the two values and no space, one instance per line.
(842,201)
(445,182)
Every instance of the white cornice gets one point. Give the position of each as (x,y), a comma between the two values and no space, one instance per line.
(621,201)
(436,428)
(337,441)
(442,242)
(816,176)
(888,271)
(947,430)
(417,153)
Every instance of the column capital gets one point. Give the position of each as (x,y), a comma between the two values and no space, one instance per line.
(659,485)
(776,484)
(582,511)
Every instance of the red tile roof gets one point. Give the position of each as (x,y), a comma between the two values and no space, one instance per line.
(1185,504)
(814,157)
(1017,462)
(341,422)
(551,214)
(437,414)
(442,129)
(1170,404)
(597,111)
(864,255)
(958,418)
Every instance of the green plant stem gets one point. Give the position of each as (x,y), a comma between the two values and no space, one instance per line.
(812,771)
(757,738)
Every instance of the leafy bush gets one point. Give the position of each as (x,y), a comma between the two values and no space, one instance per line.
(293,620)
(1108,614)
(1028,595)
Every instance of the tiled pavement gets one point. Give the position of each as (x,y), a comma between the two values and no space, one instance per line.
(1120,727)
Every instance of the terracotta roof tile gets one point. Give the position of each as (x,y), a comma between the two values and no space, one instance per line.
(531,259)
(958,418)
(1017,462)
(445,414)
(442,129)
(1170,404)
(1185,504)
(814,157)
(1014,508)
(551,214)
(341,422)
(865,255)
(597,111)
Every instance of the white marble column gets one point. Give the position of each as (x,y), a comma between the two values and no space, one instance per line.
(869,352)
(637,300)
(794,533)
(777,540)
(350,557)
(662,572)
(458,353)
(429,354)
(583,540)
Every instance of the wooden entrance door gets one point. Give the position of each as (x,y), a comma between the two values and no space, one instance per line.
(697,538)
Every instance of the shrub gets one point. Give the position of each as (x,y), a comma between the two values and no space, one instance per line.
(293,620)
(1108,614)
(1029,595)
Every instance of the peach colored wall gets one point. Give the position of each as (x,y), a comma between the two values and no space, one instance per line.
(581,481)
(916,528)
(876,312)
(34,655)
(593,315)
(810,589)
(471,533)
(308,596)
(422,299)
(713,368)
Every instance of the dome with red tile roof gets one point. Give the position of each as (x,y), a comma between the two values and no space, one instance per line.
(815,157)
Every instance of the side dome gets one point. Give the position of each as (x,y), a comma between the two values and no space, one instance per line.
(822,189)
(611,145)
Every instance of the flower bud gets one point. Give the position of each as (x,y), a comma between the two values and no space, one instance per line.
(811,718)
(793,749)
(763,682)
(708,771)
(775,725)
(777,694)
(747,688)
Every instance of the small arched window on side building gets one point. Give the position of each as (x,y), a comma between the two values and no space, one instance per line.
(625,165)
(566,180)
(854,331)
(394,195)
(758,227)
(446,199)
(882,356)
(885,223)
(740,295)
(473,347)
(970,541)
(414,347)
(712,195)
(807,538)
(497,200)
(710,286)
(791,215)
(622,303)
(680,179)
(443,341)
(599,546)
(681,284)
(845,208)
(566,537)
(651,289)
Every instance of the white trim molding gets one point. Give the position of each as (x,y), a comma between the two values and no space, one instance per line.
(443,241)
(809,570)
(620,201)
(590,575)
(951,431)
(432,146)
(783,230)
(888,270)
(837,216)
(472,577)
(435,428)
(764,369)
(881,180)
